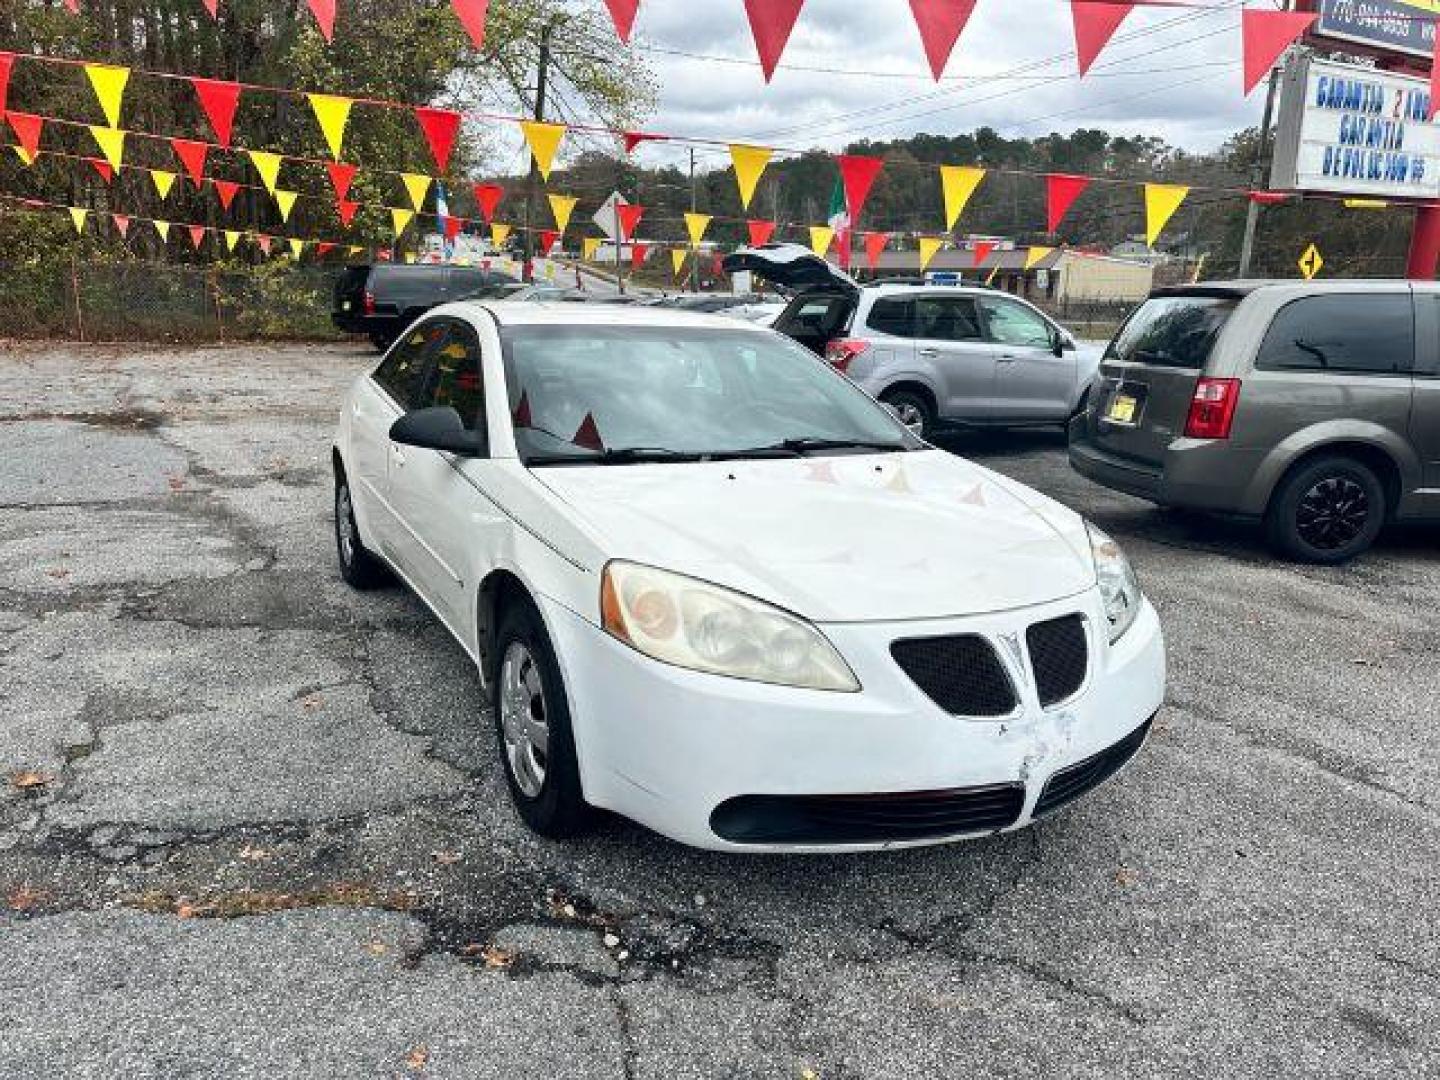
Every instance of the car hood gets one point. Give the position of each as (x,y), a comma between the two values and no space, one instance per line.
(839,539)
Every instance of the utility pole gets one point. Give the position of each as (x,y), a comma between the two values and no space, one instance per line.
(694,250)
(532,183)
(1259,172)
(619,236)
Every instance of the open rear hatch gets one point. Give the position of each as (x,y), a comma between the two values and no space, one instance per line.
(1150,371)
(824,295)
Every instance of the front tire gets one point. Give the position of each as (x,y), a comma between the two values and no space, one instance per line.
(912,409)
(532,726)
(1327,511)
(360,569)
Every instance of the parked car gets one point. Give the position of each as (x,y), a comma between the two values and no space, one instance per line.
(380,301)
(760,313)
(936,354)
(1313,407)
(711,585)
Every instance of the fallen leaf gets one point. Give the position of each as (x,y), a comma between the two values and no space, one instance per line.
(177,483)
(253,854)
(415,1060)
(808,1073)
(311,703)
(58,572)
(25,898)
(496,957)
(1126,876)
(377,948)
(446,858)
(29,779)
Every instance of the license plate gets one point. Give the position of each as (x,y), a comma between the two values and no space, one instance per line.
(1122,409)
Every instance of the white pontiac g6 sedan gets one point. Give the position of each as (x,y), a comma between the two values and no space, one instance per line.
(713,586)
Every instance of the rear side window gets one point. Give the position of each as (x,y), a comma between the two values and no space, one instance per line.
(894,317)
(1172,331)
(403,369)
(1354,334)
(947,319)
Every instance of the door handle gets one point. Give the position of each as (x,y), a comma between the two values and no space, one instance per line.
(1007,358)
(930,352)
(398,455)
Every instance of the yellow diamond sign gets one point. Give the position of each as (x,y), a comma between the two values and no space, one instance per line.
(1311,263)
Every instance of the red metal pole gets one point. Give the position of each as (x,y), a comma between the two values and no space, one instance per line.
(1424,243)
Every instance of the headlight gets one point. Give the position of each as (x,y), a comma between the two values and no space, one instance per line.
(696,625)
(1119,587)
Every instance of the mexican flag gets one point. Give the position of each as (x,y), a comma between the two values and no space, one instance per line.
(840,221)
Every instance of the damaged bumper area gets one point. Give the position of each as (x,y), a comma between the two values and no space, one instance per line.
(732,765)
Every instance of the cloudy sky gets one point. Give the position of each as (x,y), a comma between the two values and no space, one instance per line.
(1170,73)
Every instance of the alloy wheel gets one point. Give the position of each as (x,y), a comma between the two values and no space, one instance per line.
(345,524)
(523,720)
(1332,513)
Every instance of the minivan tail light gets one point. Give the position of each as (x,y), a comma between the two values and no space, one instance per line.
(1212,410)
(842,352)
(369,302)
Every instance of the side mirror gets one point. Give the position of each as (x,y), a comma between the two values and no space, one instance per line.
(438,429)
(1061,342)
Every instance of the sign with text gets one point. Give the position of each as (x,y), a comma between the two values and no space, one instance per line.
(1394,26)
(1354,130)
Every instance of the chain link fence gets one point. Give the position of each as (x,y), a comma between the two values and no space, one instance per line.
(1092,320)
(133,301)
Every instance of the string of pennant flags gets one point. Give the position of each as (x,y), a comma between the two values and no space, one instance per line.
(940,24)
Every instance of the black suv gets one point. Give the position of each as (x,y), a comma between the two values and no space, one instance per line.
(382,300)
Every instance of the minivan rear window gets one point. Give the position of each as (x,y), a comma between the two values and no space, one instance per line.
(1172,331)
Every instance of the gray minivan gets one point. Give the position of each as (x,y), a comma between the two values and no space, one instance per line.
(1314,407)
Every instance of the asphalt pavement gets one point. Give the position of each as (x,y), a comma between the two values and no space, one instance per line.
(252,823)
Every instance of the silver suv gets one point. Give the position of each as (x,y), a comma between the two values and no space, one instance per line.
(1314,407)
(934,354)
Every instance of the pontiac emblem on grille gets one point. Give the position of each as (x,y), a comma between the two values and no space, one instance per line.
(1017,655)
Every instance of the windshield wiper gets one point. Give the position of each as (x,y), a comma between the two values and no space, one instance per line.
(627,455)
(811,446)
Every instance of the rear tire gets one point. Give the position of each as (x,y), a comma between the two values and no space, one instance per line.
(1326,511)
(532,727)
(913,409)
(360,569)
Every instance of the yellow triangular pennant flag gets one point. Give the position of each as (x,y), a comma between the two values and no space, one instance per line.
(163,228)
(297,247)
(109,85)
(544,140)
(268,166)
(400,218)
(409,256)
(590,247)
(112,144)
(354,249)
(416,185)
(929,247)
(749,162)
(562,206)
(677,259)
(1161,202)
(77,215)
(164,181)
(696,224)
(821,237)
(959,182)
(232,237)
(1035,256)
(26,158)
(286,201)
(333,113)
(499,234)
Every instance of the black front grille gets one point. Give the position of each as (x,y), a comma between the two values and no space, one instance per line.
(867,819)
(961,674)
(1060,656)
(1069,784)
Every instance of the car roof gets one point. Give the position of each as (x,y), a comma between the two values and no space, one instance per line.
(1242,288)
(544,313)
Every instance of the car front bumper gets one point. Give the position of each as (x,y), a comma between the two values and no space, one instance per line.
(669,747)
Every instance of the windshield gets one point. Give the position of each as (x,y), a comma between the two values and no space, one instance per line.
(1171,331)
(601,394)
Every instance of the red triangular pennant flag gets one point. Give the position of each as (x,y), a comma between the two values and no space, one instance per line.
(858,174)
(197,236)
(547,240)
(264,243)
(638,254)
(324,12)
(192,156)
(452,228)
(440,127)
(122,224)
(1095,24)
(1267,34)
(213,7)
(488,197)
(472,16)
(629,215)
(760,232)
(874,244)
(103,168)
(771,22)
(347,211)
(7,61)
(323,248)
(1061,191)
(226,190)
(27,130)
(588,434)
(341,176)
(219,100)
(941,23)
(983,248)
(632,139)
(1268,198)
(623,12)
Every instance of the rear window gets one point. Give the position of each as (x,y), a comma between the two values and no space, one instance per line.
(818,315)
(1172,331)
(1355,334)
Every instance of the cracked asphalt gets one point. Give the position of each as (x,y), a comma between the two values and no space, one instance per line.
(252,823)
